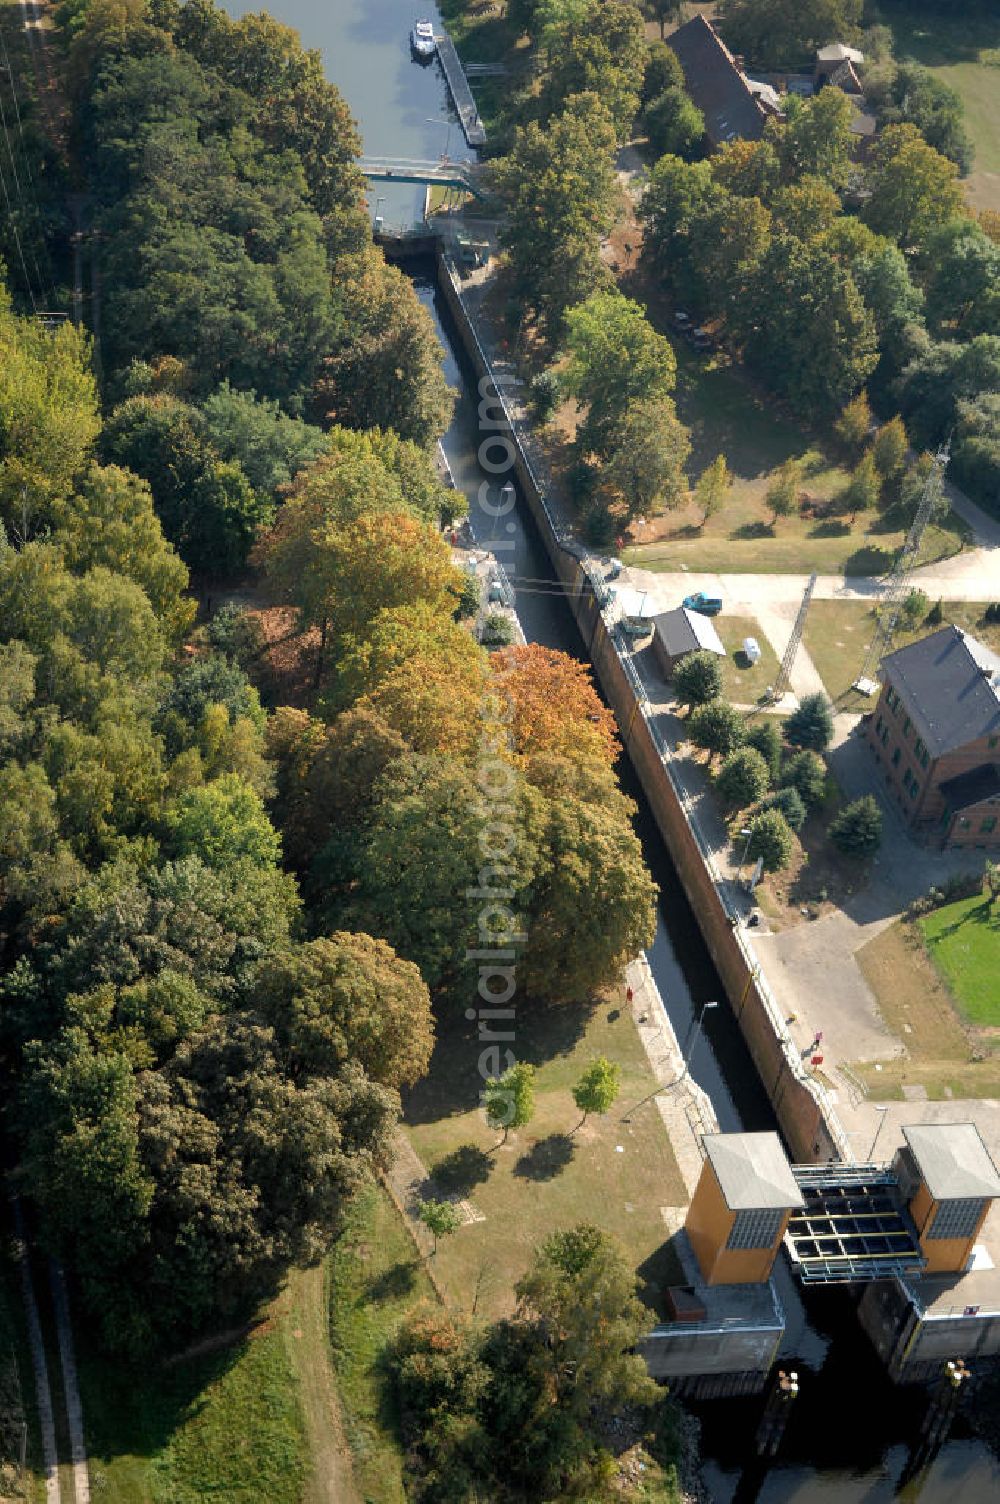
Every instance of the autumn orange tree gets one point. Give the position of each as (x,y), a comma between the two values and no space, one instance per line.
(555,707)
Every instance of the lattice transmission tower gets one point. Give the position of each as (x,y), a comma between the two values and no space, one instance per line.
(897,586)
(784,678)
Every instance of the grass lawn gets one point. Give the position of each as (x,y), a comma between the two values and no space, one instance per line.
(964,941)
(375,1278)
(838,633)
(743,682)
(950,40)
(727,414)
(229,1425)
(551,1174)
(918,1008)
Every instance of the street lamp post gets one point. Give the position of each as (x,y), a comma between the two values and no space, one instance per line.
(695,1036)
(884,1111)
(431,120)
(745,831)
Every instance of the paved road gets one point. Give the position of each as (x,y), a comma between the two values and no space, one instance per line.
(970,576)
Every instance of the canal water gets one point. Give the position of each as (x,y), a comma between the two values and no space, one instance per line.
(852,1432)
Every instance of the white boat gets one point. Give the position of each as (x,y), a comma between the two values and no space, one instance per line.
(422,39)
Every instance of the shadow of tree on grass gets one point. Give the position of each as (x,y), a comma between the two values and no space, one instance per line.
(461,1171)
(546,1159)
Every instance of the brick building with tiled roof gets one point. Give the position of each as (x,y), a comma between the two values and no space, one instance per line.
(935,733)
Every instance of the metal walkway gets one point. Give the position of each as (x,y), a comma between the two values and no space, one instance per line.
(404,170)
(853,1226)
(465,105)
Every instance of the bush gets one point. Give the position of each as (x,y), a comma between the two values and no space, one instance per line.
(915,609)
(766,739)
(698,678)
(806,773)
(716,727)
(743,777)
(770,839)
(857,830)
(789,802)
(237,633)
(890,447)
(812,724)
(470,597)
(854,424)
(935,615)
(544,395)
(498,631)
(674,124)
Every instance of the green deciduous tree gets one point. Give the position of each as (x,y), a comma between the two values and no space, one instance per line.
(779,33)
(348,997)
(510,1099)
(717,727)
(817,140)
(615,358)
(819,363)
(743,777)
(857,830)
(962,280)
(591,905)
(206,505)
(712,488)
(441,1218)
(48,417)
(698,678)
(597,1089)
(561,196)
(582,1292)
(782,495)
(770,840)
(915,190)
(223,823)
(645,469)
(596,46)
(855,423)
(253,432)
(673,122)
(109,521)
(861,493)
(889,448)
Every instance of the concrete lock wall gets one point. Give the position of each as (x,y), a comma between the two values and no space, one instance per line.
(800,1107)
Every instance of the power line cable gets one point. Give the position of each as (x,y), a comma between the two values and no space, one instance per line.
(21,196)
(26,157)
(17,242)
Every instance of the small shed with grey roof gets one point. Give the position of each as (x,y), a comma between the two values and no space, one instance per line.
(716,84)
(680,632)
(952,1161)
(950,685)
(753,1171)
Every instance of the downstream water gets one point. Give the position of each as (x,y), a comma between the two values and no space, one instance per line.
(851,1434)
